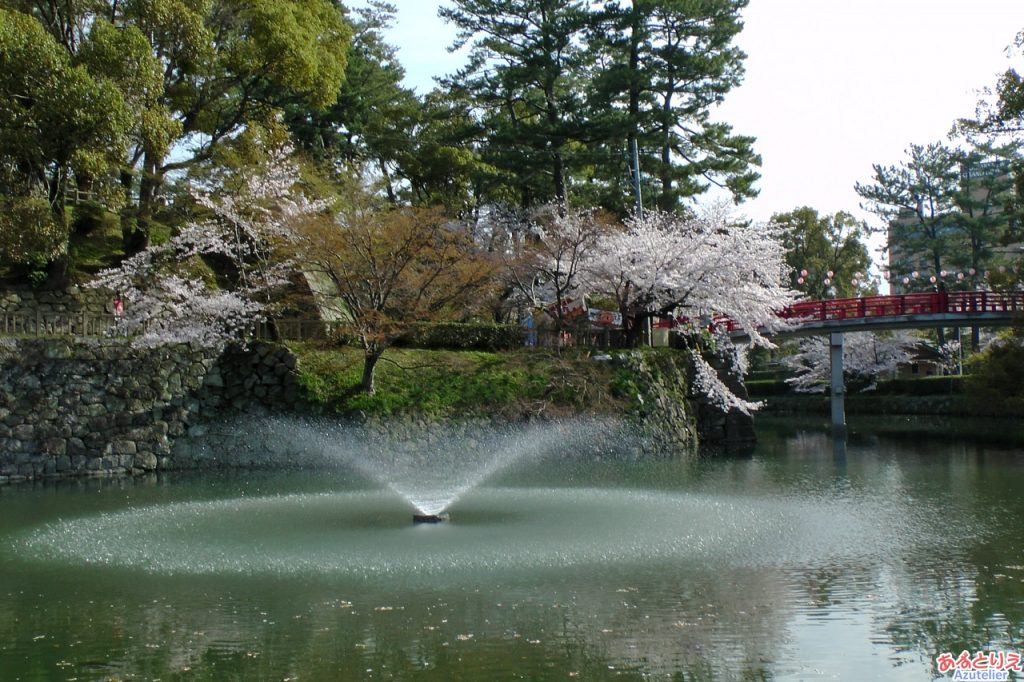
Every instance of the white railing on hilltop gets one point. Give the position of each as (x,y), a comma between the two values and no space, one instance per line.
(58,324)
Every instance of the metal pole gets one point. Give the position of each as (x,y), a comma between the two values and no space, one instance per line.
(837,387)
(636,179)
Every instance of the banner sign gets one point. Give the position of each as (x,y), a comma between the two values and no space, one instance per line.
(571,308)
(605,318)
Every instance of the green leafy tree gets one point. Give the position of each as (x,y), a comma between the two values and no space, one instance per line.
(223,64)
(229,63)
(821,245)
(59,124)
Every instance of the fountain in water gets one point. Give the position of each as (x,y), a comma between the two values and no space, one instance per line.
(553,514)
(430,518)
(432,466)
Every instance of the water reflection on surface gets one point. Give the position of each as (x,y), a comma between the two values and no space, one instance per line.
(798,562)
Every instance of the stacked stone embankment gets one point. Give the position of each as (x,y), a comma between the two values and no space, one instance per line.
(76,300)
(79,406)
(100,407)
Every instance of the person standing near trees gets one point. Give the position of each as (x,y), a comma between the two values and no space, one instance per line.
(119,327)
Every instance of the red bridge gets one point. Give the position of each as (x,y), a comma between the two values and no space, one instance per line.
(899,311)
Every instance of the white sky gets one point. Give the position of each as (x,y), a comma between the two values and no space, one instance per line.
(832,86)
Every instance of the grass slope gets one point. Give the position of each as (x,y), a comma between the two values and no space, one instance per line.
(443,383)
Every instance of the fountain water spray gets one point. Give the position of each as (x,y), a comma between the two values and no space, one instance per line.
(429,466)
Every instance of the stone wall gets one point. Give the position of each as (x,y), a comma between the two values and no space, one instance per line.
(666,422)
(673,418)
(74,300)
(716,427)
(101,407)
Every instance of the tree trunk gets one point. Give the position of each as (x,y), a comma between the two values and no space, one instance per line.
(940,332)
(389,188)
(57,269)
(558,170)
(667,200)
(369,363)
(136,238)
(57,272)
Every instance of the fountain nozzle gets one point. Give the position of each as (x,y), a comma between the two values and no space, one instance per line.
(430,518)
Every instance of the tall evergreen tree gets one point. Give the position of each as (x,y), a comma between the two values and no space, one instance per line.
(917,200)
(666,64)
(368,121)
(986,201)
(525,60)
(565,89)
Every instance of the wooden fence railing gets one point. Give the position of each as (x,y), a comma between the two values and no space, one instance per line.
(59,324)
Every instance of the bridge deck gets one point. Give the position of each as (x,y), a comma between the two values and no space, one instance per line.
(898,311)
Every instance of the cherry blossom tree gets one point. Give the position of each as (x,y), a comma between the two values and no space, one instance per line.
(244,222)
(951,357)
(696,268)
(866,356)
(543,253)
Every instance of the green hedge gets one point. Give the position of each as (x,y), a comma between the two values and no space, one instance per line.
(460,336)
(759,388)
(951,385)
(940,385)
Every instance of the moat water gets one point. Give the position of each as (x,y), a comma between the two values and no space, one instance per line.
(808,558)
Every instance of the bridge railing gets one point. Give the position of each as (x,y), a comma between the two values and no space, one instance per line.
(931,303)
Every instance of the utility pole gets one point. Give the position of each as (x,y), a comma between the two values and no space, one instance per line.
(639,214)
(636,178)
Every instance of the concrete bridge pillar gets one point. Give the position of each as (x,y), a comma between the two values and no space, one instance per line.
(838,389)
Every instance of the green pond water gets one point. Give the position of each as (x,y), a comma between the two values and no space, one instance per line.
(806,559)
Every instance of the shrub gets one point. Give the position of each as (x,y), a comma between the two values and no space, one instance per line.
(996,382)
(462,336)
(938,385)
(28,232)
(87,217)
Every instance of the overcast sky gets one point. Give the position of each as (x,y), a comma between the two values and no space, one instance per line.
(832,86)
